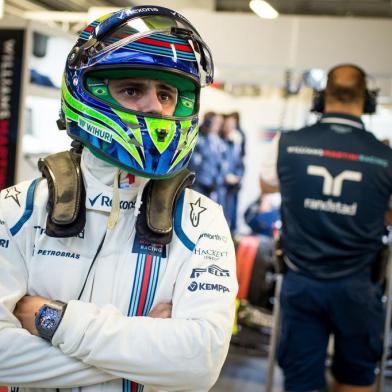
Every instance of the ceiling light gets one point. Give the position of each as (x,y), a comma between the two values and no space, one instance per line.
(263,9)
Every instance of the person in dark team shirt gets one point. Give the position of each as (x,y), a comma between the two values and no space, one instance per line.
(335,179)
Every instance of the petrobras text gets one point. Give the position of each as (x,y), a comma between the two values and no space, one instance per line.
(58,253)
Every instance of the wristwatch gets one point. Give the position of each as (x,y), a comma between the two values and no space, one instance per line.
(48,318)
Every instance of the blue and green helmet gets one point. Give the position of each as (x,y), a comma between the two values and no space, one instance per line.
(148,42)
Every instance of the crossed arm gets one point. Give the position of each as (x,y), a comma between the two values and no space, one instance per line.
(27,308)
(96,344)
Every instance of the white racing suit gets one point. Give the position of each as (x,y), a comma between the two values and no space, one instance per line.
(106,341)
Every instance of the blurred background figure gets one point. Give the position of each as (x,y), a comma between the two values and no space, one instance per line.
(237,117)
(263,216)
(207,158)
(233,168)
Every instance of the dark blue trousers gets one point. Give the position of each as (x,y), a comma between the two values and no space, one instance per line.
(350,308)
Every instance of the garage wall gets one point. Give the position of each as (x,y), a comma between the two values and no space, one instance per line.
(248,48)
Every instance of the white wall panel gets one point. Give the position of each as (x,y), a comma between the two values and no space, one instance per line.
(248,48)
(324,42)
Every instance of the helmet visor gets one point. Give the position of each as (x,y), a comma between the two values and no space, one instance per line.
(160,35)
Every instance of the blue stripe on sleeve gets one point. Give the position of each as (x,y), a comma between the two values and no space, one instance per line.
(177,224)
(28,210)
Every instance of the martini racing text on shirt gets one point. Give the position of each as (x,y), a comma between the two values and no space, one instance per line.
(143,246)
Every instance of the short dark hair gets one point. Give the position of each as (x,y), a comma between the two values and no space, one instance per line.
(353,93)
(208,115)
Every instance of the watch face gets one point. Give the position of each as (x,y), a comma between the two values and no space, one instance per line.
(49,318)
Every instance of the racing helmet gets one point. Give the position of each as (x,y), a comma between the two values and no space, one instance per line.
(141,42)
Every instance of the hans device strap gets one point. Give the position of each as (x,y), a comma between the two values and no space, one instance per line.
(67,207)
(155,221)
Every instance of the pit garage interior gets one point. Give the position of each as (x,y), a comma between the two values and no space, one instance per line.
(265,69)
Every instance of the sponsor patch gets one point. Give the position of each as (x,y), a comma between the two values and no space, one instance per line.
(332,186)
(141,246)
(58,253)
(42,230)
(303,150)
(92,129)
(216,237)
(210,254)
(196,210)
(218,271)
(4,243)
(212,269)
(94,199)
(13,193)
(105,201)
(194,286)
(196,272)
(142,10)
(329,205)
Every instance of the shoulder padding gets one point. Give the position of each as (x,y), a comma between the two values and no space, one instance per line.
(66,204)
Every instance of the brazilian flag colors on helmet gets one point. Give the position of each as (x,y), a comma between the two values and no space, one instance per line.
(142,42)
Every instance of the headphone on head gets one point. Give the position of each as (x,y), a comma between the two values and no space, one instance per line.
(370,102)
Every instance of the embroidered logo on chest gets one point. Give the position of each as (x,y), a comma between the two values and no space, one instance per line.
(143,246)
